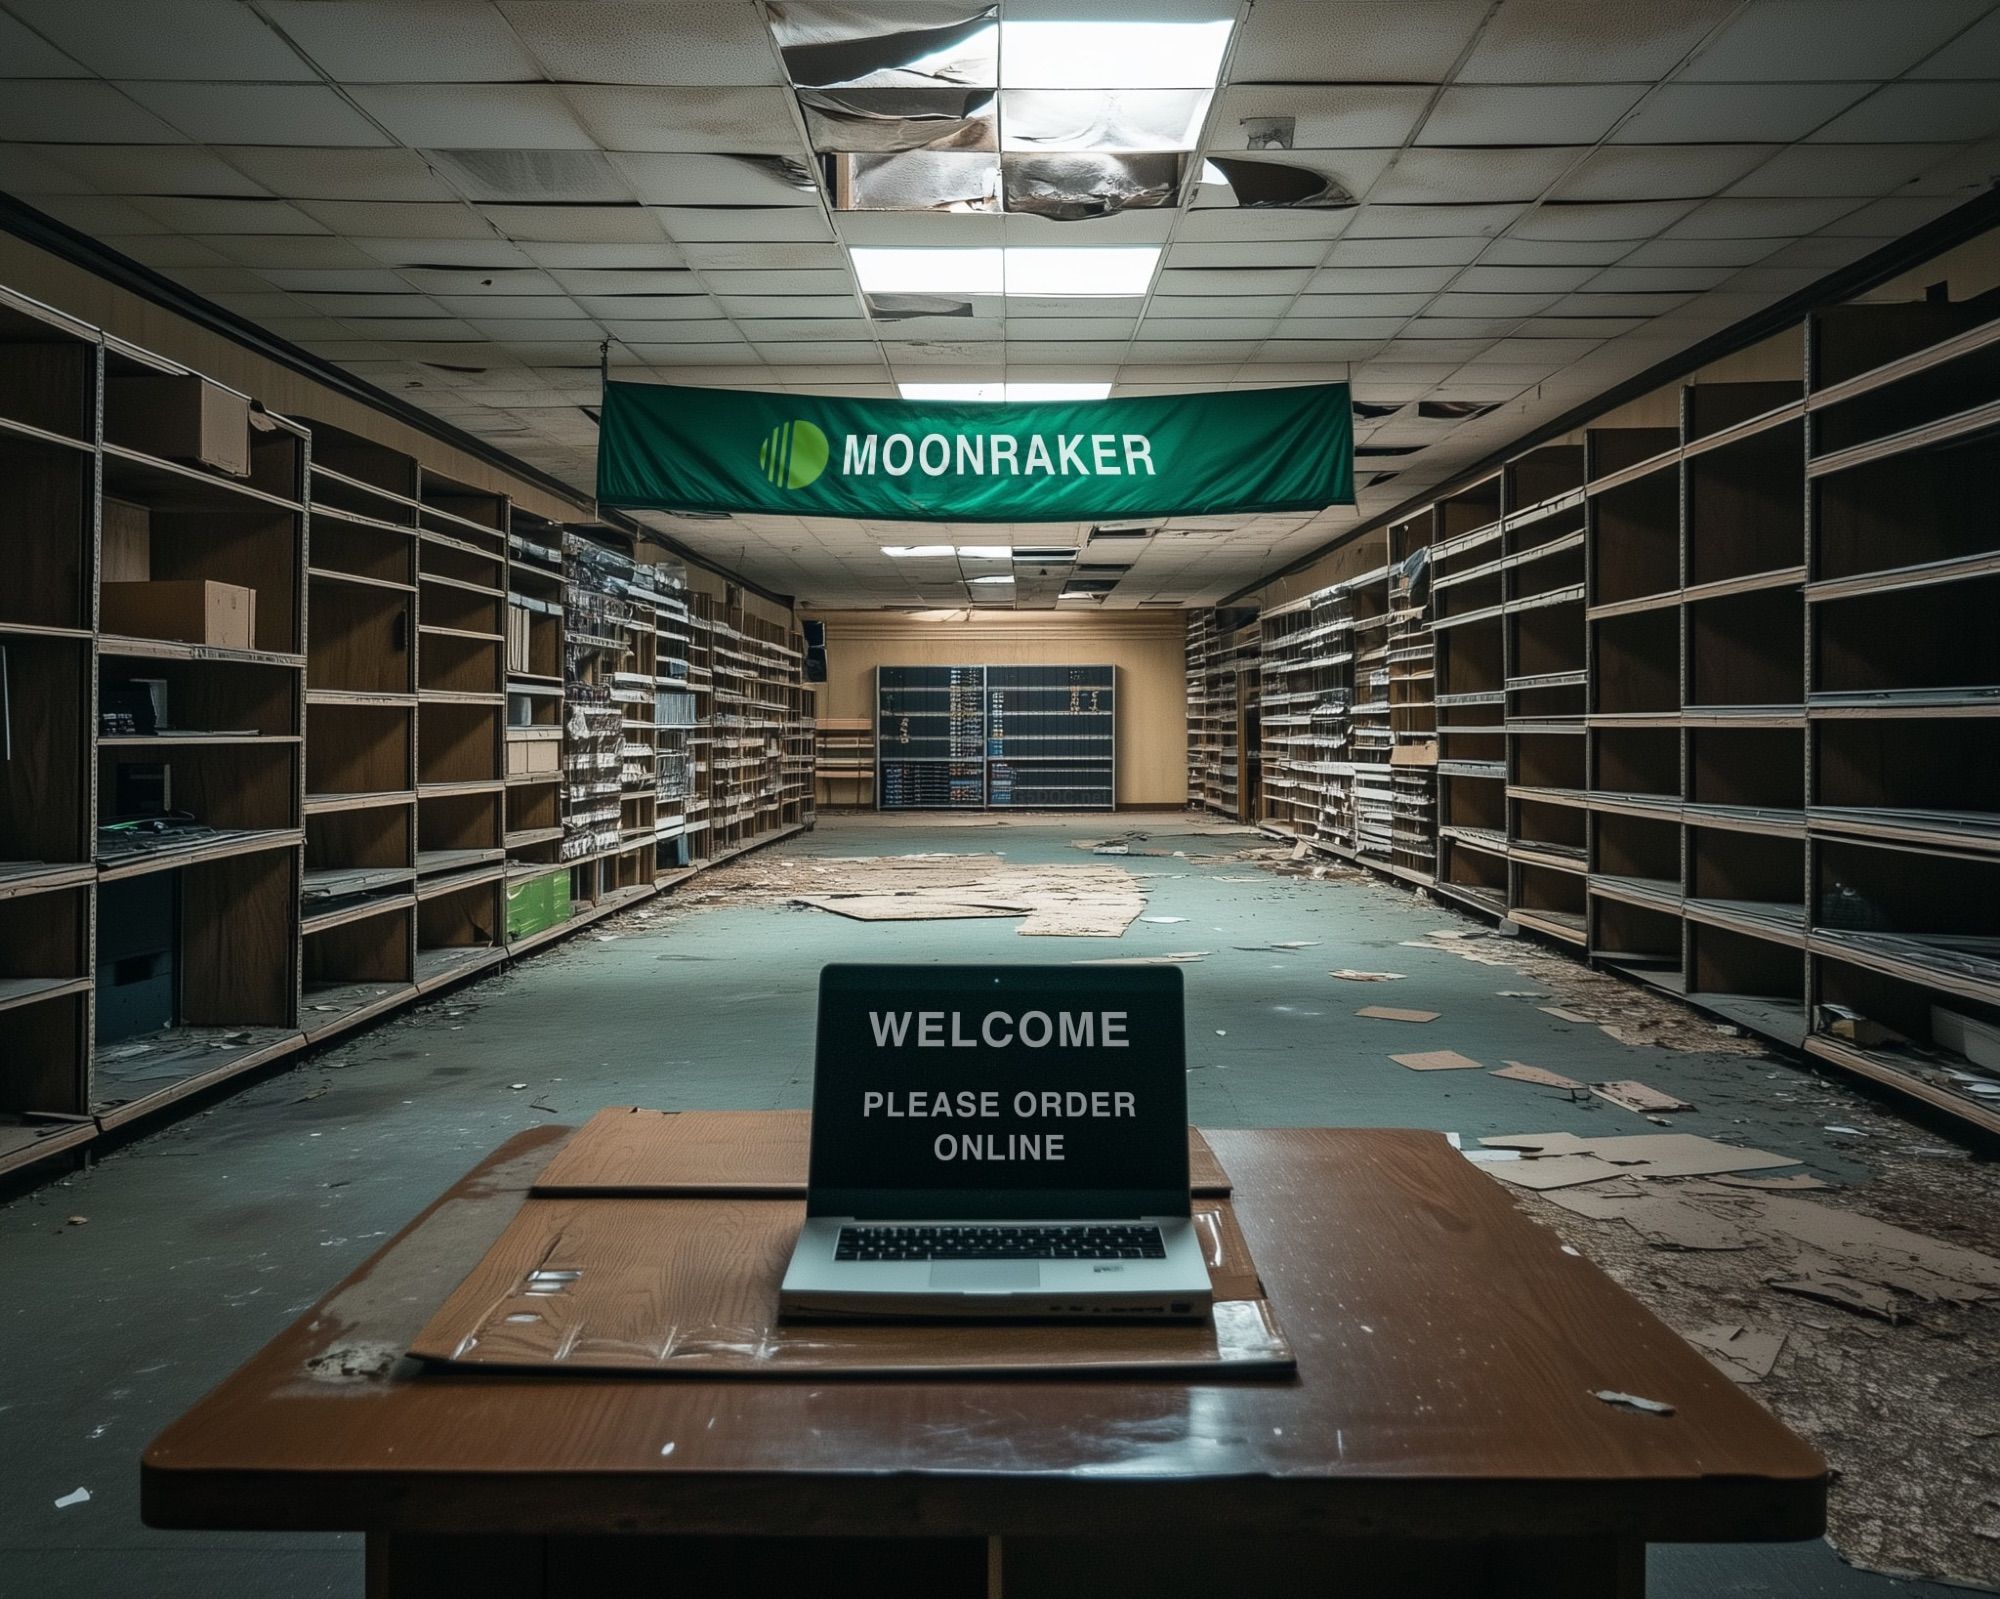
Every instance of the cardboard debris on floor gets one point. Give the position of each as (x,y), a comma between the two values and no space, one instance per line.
(1740,1353)
(1562,1015)
(1520,1072)
(1438,1060)
(1652,1407)
(1563,1160)
(1183,957)
(1389,1013)
(1286,947)
(1796,1180)
(1636,1096)
(1052,901)
(1864,1298)
(1347,974)
(1663,1219)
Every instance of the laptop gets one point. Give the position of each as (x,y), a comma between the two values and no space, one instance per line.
(999,1141)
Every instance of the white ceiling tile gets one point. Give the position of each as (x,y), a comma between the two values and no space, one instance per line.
(1735,113)
(217,280)
(194,215)
(1359,328)
(400,302)
(591,224)
(1430,221)
(1546,278)
(1325,116)
(512,307)
(1547,113)
(1306,253)
(144,169)
(655,254)
(1893,218)
(512,332)
(1201,305)
(1635,304)
(1513,252)
(1861,170)
(1741,218)
(1787,41)
(66,111)
(1350,280)
(1289,41)
(1429,176)
(1699,252)
(164,250)
(257,113)
(474,116)
(753,306)
(1583,41)
(1359,304)
(647,41)
(794,329)
(710,180)
(656,330)
(764,257)
(1588,220)
(1201,327)
(865,355)
(431,329)
(283,250)
(1402,253)
(738,118)
(803,282)
(483,252)
(1475,332)
(1256,280)
(1216,225)
(26,54)
(334,280)
(1624,279)
(1919,112)
(211,40)
(337,174)
(632,288)
(1660,171)
(394,41)
(414,220)
(532,177)
(1510,306)
(1975,53)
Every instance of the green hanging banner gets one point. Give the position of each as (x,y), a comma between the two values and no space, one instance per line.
(663,448)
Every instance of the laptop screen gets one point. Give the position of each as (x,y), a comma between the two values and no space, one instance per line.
(999,1091)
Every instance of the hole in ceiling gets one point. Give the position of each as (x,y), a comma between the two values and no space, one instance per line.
(1454,410)
(1266,185)
(1369,409)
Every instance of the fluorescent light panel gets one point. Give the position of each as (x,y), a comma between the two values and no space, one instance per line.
(1123,270)
(1111,55)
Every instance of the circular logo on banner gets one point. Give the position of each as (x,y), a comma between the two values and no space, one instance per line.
(794,454)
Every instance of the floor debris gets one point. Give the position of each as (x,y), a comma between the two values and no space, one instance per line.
(1652,1407)
(1389,1013)
(1636,1096)
(1743,1354)
(1520,1072)
(76,1496)
(1563,1160)
(1348,974)
(1438,1060)
(1183,957)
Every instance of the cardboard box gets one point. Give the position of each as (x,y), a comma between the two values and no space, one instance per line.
(223,614)
(537,903)
(181,417)
(127,542)
(534,757)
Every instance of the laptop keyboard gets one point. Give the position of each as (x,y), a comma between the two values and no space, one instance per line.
(1004,1241)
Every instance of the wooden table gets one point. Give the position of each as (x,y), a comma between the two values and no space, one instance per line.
(1442,1434)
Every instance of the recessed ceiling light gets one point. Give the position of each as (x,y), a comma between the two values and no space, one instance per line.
(1089,270)
(1112,55)
(906,551)
(1053,556)
(1004,577)
(1004,391)
(986,552)
(1058,391)
(928,271)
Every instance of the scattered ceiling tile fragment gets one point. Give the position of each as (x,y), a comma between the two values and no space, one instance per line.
(1074,185)
(900,119)
(888,46)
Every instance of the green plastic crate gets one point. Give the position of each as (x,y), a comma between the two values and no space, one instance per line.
(535,904)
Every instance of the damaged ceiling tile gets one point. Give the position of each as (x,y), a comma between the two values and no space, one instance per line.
(906,307)
(888,46)
(1258,184)
(916,180)
(900,119)
(1071,186)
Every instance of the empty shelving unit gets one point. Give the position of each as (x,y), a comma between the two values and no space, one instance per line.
(1717,688)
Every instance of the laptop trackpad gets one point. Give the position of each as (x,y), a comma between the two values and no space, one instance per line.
(985,1276)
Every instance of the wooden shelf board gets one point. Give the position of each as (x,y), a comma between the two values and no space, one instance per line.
(430,862)
(327,804)
(332,574)
(449,963)
(221,847)
(335,882)
(41,630)
(18,991)
(483,785)
(21,878)
(1885,1069)
(25,1143)
(180,1061)
(167,485)
(320,921)
(158,649)
(361,698)
(1783,1020)
(132,741)
(330,1008)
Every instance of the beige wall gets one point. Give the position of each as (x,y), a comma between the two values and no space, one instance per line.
(1147,647)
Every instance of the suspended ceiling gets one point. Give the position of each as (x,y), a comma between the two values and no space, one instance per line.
(459,200)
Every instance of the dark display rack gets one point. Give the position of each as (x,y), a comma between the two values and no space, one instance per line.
(1019,737)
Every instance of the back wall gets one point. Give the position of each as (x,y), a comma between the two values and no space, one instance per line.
(1147,647)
